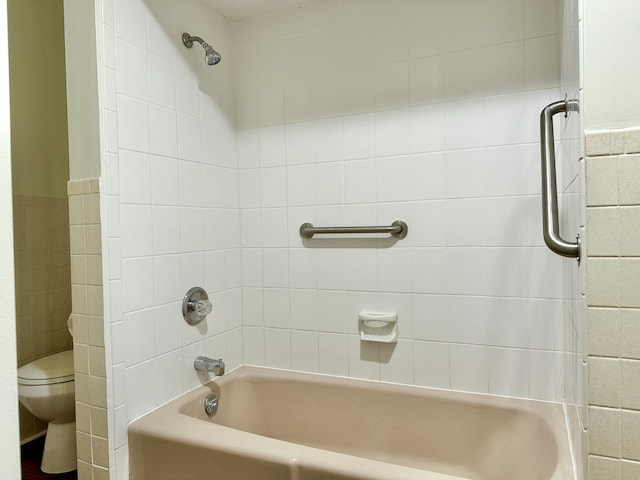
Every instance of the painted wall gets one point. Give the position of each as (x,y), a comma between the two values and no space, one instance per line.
(9,436)
(38,99)
(40,165)
(611,64)
(371,113)
(83,89)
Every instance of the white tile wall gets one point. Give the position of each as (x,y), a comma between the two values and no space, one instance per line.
(172,201)
(357,116)
(376,114)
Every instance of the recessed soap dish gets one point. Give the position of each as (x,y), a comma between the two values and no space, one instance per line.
(378,327)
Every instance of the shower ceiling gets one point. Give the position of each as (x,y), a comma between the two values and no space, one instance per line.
(237,10)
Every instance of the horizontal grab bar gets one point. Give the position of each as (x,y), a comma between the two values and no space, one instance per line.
(398,229)
(550,225)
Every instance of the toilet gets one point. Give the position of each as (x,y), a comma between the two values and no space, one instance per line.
(46,388)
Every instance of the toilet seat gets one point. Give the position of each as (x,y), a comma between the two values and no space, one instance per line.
(50,370)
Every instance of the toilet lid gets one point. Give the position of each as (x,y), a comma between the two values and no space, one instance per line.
(56,368)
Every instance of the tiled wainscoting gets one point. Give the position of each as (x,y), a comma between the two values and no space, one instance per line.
(613,295)
(43,290)
(88,338)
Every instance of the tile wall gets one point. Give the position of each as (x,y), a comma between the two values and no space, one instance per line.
(92,430)
(336,113)
(613,217)
(43,289)
(356,113)
(170,164)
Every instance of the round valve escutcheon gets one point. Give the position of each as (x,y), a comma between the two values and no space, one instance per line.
(196,306)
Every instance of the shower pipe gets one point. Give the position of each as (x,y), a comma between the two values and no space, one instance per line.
(397,229)
(550,225)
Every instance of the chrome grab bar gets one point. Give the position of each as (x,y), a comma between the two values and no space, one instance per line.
(398,229)
(550,226)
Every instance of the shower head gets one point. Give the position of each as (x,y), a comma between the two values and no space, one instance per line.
(210,55)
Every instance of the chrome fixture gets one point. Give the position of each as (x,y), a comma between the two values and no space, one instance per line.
(206,364)
(397,229)
(210,404)
(210,55)
(550,226)
(196,306)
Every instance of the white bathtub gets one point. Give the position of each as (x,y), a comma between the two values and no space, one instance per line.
(274,424)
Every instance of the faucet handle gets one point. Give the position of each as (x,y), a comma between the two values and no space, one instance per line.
(196,306)
(201,307)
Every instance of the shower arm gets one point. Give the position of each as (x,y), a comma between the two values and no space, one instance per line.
(189,39)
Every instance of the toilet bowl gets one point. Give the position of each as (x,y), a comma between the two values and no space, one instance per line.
(46,388)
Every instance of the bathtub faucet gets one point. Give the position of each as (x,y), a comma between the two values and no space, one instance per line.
(206,364)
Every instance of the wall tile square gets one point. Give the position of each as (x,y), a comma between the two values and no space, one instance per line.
(546,375)
(629,282)
(469,368)
(133,124)
(396,362)
(603,287)
(604,467)
(630,435)
(630,469)
(277,352)
(628,180)
(433,359)
(426,80)
(392,132)
(130,22)
(607,336)
(328,140)
(359,136)
(136,230)
(272,146)
(602,181)
(135,177)
(131,70)
(505,372)
(604,382)
(274,187)
(605,427)
(630,384)
(541,62)
(162,131)
(304,351)
(358,90)
(253,346)
(137,279)
(605,226)
(333,354)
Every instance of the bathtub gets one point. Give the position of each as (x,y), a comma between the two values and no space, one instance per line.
(273,424)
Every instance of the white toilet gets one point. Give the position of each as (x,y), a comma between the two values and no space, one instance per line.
(46,388)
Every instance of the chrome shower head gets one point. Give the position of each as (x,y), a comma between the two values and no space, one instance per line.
(210,55)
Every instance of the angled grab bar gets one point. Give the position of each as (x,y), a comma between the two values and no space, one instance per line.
(550,226)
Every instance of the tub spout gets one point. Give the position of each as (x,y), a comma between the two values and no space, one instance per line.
(205,364)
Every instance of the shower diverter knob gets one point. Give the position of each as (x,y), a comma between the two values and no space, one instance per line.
(196,306)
